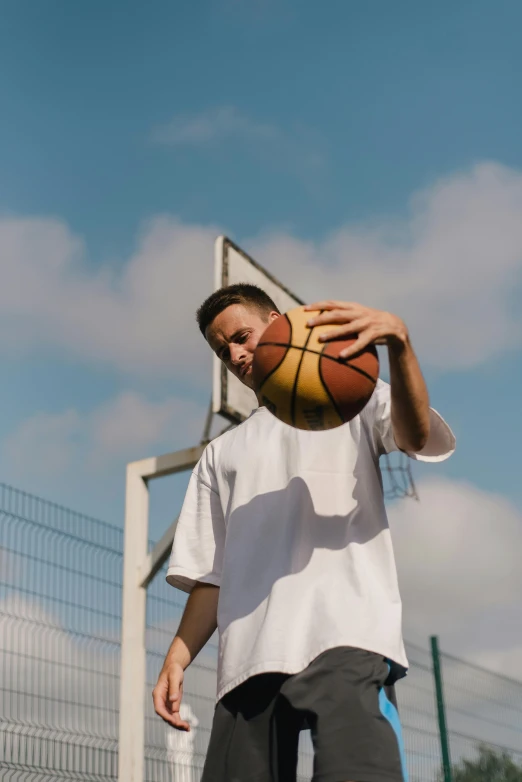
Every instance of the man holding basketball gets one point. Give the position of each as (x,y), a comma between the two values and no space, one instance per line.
(284,546)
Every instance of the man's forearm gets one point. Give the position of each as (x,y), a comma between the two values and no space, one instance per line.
(410,407)
(197,625)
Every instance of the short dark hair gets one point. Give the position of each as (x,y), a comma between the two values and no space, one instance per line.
(240,293)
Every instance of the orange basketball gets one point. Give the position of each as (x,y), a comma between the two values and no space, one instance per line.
(303,382)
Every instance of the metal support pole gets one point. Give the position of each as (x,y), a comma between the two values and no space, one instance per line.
(139,568)
(441,710)
(133,652)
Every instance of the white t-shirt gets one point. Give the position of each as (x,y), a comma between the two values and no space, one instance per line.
(291,525)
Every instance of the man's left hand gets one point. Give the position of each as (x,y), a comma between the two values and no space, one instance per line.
(368,325)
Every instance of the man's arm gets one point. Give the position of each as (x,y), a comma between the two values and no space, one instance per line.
(410,405)
(410,413)
(198,623)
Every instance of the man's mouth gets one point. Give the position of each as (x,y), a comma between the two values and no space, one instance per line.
(244,369)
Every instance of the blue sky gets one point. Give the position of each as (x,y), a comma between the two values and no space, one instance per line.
(367,150)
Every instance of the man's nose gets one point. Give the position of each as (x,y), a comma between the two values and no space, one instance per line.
(237,353)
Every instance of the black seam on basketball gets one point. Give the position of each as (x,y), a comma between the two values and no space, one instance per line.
(296,379)
(277,345)
(330,358)
(328,392)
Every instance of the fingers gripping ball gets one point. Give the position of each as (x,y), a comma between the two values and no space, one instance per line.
(303,382)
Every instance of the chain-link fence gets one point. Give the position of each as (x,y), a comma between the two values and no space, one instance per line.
(60,615)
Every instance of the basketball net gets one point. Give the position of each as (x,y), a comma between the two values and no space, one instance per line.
(397,477)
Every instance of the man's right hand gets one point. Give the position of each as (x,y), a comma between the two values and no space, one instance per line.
(167,695)
(197,624)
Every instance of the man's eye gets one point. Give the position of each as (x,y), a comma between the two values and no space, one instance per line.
(242,338)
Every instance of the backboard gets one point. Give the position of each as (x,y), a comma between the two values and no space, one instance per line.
(230,398)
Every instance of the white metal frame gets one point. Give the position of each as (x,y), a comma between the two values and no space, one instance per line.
(139,568)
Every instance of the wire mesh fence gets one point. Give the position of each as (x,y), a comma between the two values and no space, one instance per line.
(484,712)
(60,616)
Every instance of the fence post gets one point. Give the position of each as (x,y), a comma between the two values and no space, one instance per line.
(441,710)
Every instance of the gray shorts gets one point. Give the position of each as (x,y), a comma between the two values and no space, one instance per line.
(345,697)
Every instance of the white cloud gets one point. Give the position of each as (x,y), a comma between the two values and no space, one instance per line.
(451,269)
(43,443)
(212,125)
(296,150)
(457,557)
(129,423)
(138,319)
(505,661)
(124,428)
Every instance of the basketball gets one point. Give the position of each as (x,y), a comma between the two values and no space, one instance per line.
(303,382)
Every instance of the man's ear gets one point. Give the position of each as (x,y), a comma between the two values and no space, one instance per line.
(273,315)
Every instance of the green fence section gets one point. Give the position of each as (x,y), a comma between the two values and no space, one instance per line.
(60,615)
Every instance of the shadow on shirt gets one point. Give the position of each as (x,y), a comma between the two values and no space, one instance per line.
(277,535)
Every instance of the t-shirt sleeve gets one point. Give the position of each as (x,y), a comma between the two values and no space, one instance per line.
(199,539)
(441,440)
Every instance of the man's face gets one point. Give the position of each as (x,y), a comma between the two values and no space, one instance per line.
(233,336)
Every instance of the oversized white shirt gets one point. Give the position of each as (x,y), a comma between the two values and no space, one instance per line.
(291,525)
